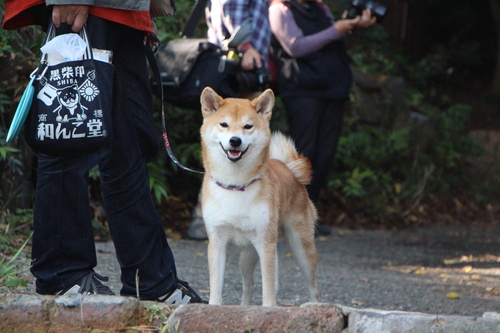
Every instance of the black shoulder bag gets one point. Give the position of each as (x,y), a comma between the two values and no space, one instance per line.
(188,65)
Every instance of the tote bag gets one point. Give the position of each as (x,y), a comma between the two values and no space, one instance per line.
(72,103)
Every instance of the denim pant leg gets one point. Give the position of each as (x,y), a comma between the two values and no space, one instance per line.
(135,226)
(63,242)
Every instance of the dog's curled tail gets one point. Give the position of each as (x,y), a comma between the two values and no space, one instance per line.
(282,148)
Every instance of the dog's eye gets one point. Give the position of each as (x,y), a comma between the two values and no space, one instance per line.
(224,124)
(248,126)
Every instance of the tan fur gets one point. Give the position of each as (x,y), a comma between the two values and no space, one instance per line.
(238,150)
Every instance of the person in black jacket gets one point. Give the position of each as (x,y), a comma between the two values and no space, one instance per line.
(314,78)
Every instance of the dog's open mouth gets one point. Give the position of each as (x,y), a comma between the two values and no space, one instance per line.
(232,154)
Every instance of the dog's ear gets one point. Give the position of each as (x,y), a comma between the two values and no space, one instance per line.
(264,104)
(210,101)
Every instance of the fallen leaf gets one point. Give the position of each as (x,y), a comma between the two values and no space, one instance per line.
(475,276)
(452,295)
(199,254)
(489,288)
(322,239)
(358,303)
(451,261)
(467,269)
(419,271)
(289,255)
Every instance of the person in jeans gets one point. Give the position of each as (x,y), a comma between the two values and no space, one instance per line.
(64,254)
(314,78)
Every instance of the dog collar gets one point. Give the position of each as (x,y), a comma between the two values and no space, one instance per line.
(234,187)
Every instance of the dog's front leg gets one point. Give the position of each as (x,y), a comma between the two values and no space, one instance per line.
(216,265)
(269,266)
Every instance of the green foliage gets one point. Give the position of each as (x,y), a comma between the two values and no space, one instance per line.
(171,27)
(14,227)
(387,167)
(375,54)
(157,184)
(11,269)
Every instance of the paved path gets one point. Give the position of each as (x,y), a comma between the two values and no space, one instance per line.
(419,270)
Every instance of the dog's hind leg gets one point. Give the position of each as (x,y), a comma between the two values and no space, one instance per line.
(216,267)
(304,251)
(248,261)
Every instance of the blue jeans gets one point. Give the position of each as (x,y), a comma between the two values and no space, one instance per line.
(63,242)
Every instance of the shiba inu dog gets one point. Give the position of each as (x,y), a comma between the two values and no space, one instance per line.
(253,188)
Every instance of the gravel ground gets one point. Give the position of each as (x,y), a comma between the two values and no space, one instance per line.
(445,270)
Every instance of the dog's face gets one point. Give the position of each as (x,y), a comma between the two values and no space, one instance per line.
(69,96)
(233,127)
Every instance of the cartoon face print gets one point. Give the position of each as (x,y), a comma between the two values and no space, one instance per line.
(69,96)
(70,109)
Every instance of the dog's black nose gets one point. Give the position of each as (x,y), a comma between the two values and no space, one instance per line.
(235,141)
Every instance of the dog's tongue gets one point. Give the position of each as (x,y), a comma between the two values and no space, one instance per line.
(234,153)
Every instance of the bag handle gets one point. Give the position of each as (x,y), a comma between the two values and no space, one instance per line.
(51,33)
(194,18)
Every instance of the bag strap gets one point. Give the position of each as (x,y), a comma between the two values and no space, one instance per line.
(194,18)
(156,73)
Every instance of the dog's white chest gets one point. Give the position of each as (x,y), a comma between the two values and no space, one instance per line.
(241,210)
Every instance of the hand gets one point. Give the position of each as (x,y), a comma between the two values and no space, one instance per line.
(346,25)
(366,19)
(251,58)
(74,15)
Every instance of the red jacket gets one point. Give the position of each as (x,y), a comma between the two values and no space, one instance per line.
(17,15)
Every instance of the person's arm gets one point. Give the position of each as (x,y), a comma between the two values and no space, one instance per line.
(292,38)
(235,12)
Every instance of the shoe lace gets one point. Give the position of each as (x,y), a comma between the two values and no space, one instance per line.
(90,284)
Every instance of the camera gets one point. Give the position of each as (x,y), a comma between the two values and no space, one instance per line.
(357,7)
(255,80)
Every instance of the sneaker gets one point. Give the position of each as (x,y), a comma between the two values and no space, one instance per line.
(182,294)
(88,285)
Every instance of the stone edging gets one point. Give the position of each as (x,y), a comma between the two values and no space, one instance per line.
(36,313)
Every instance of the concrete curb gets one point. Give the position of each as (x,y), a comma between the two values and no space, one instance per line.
(36,313)
(377,321)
